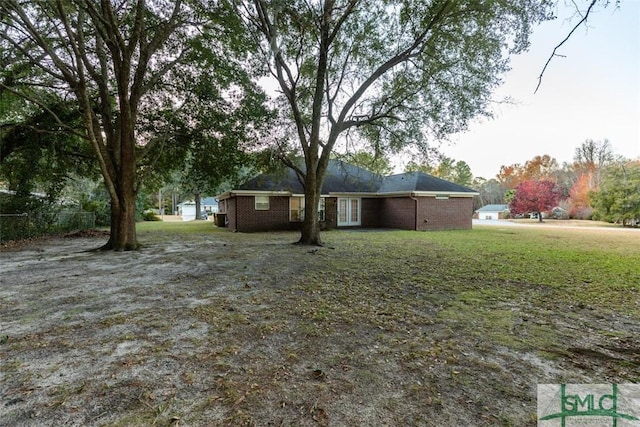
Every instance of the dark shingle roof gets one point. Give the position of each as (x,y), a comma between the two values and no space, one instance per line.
(340,178)
(285,181)
(345,178)
(419,181)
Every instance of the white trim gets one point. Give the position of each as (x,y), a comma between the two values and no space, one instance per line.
(407,194)
(262,204)
(331,194)
(349,212)
(229,194)
(259,193)
(444,193)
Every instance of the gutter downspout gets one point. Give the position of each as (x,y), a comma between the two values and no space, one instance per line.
(415,216)
(235,213)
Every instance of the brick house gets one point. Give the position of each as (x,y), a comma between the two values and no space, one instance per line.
(351,197)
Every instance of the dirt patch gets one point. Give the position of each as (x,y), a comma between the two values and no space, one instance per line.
(234,329)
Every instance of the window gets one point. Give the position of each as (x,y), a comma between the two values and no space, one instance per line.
(262,203)
(321,209)
(296,209)
(354,217)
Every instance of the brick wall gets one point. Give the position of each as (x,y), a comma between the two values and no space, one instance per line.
(228,207)
(276,218)
(371,211)
(392,212)
(447,214)
(398,212)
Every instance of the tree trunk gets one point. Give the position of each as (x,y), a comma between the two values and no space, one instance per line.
(123,224)
(198,198)
(123,202)
(311,227)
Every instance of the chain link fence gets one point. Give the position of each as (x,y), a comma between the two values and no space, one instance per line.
(25,225)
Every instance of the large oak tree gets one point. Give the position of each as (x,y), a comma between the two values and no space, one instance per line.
(389,72)
(118,60)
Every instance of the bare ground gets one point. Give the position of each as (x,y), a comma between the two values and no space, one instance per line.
(231,329)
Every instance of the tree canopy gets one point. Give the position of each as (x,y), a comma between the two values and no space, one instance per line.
(539,168)
(618,198)
(390,73)
(34,153)
(122,63)
(457,171)
(534,197)
(374,162)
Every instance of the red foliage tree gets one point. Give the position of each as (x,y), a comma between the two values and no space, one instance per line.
(534,196)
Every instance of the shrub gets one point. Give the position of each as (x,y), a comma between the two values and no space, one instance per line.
(100,207)
(150,216)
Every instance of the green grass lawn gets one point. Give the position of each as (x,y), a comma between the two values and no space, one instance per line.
(375,328)
(469,310)
(177,227)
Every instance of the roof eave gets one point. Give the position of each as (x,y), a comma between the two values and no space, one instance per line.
(351,194)
(446,193)
(428,194)
(233,193)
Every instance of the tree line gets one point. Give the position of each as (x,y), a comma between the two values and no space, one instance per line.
(597,184)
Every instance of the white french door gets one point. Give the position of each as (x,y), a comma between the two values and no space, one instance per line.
(348,211)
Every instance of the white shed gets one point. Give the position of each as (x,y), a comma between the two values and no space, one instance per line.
(187,210)
(492,211)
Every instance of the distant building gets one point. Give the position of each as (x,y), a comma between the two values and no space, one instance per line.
(209,205)
(187,210)
(492,212)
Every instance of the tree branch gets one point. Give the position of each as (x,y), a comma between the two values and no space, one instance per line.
(553,54)
(400,57)
(44,107)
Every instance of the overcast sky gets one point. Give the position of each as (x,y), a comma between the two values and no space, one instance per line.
(593,92)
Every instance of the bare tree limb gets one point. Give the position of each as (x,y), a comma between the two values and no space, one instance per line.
(553,54)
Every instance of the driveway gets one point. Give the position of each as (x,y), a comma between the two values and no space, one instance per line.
(566,224)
